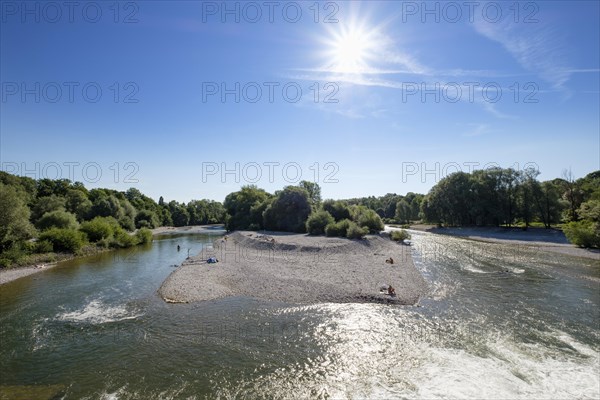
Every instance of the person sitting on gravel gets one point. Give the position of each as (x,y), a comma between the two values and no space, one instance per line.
(391,291)
(389,260)
(212,260)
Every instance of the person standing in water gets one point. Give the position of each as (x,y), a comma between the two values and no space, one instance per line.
(178,247)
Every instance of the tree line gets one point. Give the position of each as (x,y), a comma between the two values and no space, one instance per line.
(65,216)
(45,216)
(506,197)
(298,209)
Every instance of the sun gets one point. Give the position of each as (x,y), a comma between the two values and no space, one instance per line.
(350,50)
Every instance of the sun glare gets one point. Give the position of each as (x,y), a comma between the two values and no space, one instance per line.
(350,50)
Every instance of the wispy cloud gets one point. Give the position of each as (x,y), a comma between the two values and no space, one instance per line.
(477,130)
(536,47)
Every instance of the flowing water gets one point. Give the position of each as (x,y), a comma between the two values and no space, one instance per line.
(501,321)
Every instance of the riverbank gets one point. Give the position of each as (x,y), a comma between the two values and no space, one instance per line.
(10,274)
(297,268)
(171,230)
(43,262)
(550,240)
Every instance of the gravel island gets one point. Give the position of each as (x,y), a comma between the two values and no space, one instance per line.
(298,268)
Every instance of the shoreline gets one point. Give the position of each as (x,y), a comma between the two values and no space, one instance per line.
(12,274)
(551,240)
(297,269)
(8,275)
(172,230)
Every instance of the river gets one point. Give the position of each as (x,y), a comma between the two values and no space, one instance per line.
(502,321)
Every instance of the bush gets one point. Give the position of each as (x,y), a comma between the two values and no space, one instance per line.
(316,223)
(254,227)
(123,239)
(99,228)
(68,240)
(356,232)
(339,229)
(11,256)
(369,219)
(127,223)
(58,219)
(144,235)
(583,233)
(338,209)
(400,235)
(43,246)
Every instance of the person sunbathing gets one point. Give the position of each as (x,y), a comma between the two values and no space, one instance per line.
(389,260)
(391,291)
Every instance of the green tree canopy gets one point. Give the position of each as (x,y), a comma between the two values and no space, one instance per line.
(239,206)
(289,211)
(14,217)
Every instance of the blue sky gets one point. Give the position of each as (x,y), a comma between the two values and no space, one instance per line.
(191,100)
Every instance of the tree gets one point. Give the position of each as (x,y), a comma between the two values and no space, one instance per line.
(403,212)
(289,211)
(239,205)
(14,218)
(25,185)
(414,200)
(179,213)
(146,219)
(547,198)
(528,187)
(590,186)
(450,200)
(77,202)
(314,192)
(572,194)
(49,187)
(47,204)
(590,210)
(204,212)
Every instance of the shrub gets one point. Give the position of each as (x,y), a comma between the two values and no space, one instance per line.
(356,232)
(12,255)
(339,228)
(144,235)
(316,223)
(338,209)
(369,219)
(127,223)
(400,235)
(583,233)
(58,219)
(68,240)
(43,246)
(99,228)
(123,239)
